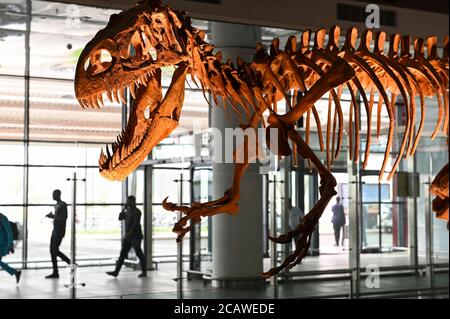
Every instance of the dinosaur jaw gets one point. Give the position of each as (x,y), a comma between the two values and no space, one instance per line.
(152,118)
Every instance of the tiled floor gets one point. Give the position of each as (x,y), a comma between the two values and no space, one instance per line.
(160,283)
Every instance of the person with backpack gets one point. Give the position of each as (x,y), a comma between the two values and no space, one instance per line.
(7,246)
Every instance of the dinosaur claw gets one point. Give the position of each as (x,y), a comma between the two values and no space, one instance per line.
(266,275)
(177,229)
(165,204)
(282,239)
(169,206)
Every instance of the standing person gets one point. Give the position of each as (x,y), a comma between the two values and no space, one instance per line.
(295,218)
(133,236)
(7,246)
(338,219)
(58,233)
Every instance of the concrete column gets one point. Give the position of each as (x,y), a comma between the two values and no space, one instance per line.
(237,240)
(148,217)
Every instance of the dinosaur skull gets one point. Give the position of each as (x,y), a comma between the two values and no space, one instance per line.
(129,53)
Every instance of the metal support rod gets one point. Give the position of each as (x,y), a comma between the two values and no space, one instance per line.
(180,249)
(380,243)
(429,239)
(73,238)
(285,210)
(26,135)
(73,247)
(413,234)
(274,234)
(358,227)
(124,119)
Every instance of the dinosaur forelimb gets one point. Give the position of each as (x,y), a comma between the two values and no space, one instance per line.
(440,188)
(226,204)
(309,222)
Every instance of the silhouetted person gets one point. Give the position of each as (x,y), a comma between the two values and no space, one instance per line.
(295,218)
(58,233)
(338,219)
(7,246)
(133,236)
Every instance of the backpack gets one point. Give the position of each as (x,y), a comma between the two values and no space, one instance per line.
(15,230)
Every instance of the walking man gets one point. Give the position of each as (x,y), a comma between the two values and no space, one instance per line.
(58,233)
(133,236)
(338,220)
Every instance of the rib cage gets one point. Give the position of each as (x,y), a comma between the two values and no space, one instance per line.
(397,73)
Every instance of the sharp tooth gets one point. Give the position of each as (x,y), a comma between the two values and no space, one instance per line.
(81,103)
(117,156)
(86,103)
(102,159)
(115,96)
(108,152)
(121,97)
(100,99)
(109,96)
(132,91)
(95,103)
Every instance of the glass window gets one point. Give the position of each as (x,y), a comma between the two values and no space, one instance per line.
(55,115)
(12,92)
(59,33)
(98,231)
(12,37)
(12,153)
(11,185)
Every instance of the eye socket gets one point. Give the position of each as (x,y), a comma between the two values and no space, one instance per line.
(105,56)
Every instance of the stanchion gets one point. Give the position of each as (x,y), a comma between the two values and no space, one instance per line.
(73,282)
(180,247)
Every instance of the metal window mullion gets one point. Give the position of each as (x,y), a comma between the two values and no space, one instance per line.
(124,125)
(26,134)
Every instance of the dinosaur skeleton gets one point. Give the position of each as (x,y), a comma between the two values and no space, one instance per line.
(141,40)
